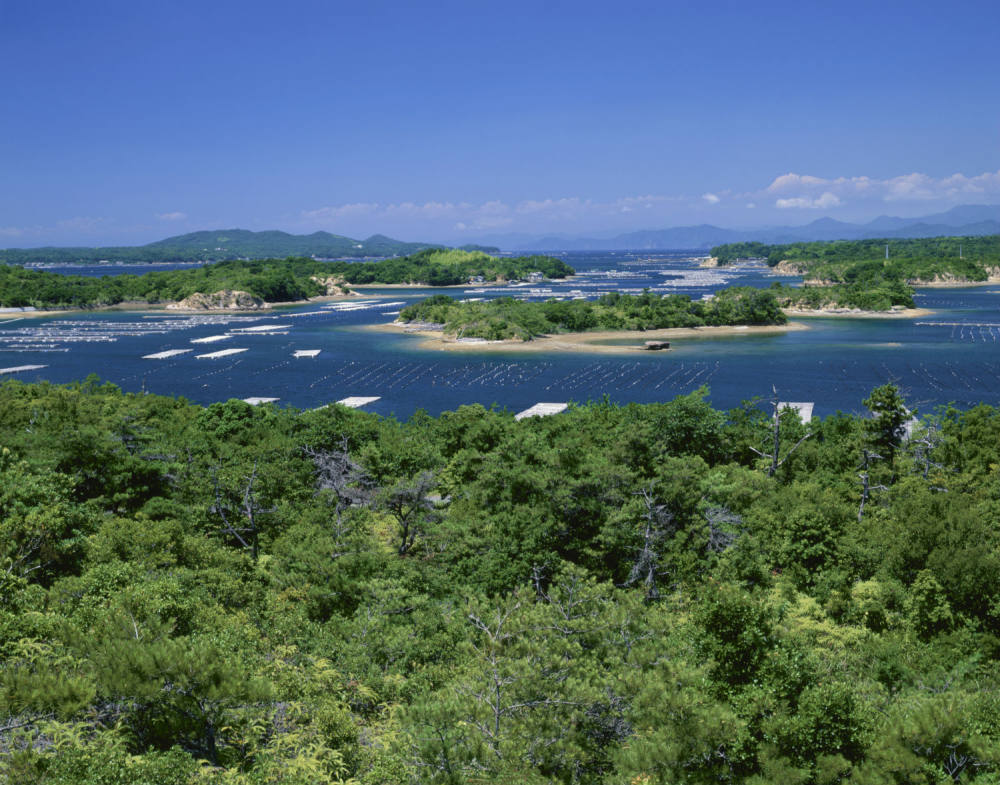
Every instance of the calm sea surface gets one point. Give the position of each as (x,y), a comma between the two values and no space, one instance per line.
(952,356)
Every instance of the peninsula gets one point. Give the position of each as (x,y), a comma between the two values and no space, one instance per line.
(290,280)
(869,277)
(914,262)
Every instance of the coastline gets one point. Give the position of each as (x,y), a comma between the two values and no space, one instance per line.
(849,313)
(482,285)
(138,306)
(954,284)
(589,342)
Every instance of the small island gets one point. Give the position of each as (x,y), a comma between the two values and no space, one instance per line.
(874,296)
(612,324)
(269,281)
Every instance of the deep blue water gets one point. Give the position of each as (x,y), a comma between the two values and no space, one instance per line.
(116,268)
(952,356)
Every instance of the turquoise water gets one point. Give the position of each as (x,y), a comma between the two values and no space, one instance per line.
(950,357)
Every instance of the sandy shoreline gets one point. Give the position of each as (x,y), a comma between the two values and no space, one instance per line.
(954,284)
(808,313)
(589,342)
(141,307)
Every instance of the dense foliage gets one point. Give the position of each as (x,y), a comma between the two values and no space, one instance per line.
(447,268)
(636,594)
(220,245)
(865,294)
(506,318)
(274,280)
(910,260)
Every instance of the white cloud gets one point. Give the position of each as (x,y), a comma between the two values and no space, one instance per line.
(823,202)
(489,215)
(797,190)
(341,211)
(175,216)
(794,182)
(790,191)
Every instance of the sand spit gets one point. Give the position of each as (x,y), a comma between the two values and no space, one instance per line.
(589,342)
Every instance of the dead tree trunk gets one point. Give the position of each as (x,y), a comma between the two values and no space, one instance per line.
(346,482)
(865,477)
(658,524)
(410,504)
(772,456)
(247,532)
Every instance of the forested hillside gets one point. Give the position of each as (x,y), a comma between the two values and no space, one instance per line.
(909,260)
(639,594)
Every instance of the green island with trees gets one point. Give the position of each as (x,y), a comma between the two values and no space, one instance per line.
(866,294)
(505,318)
(272,280)
(222,244)
(621,595)
(911,261)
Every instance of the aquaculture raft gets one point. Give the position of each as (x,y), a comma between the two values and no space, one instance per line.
(542,410)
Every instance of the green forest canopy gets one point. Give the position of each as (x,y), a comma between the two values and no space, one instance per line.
(867,294)
(911,260)
(274,280)
(507,318)
(619,594)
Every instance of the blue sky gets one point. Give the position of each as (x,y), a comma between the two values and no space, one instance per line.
(126,122)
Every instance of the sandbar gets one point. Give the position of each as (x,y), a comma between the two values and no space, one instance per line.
(850,313)
(589,342)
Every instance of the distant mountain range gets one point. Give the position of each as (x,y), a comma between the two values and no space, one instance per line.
(965,220)
(220,244)
(223,244)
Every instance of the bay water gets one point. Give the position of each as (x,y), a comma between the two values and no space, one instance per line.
(952,356)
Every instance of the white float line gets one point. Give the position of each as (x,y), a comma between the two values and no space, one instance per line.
(261,328)
(211,339)
(19,368)
(223,353)
(165,354)
(357,401)
(542,410)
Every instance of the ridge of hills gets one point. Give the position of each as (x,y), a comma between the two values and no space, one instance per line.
(223,244)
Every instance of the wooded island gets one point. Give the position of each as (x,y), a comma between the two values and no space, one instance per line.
(509,319)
